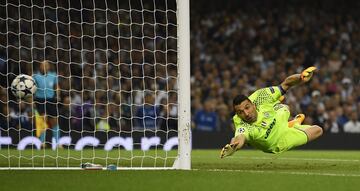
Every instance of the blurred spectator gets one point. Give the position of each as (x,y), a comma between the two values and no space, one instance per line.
(353,125)
(103,124)
(147,114)
(234,49)
(3,68)
(169,113)
(64,114)
(82,112)
(225,120)
(331,125)
(4,123)
(125,112)
(347,89)
(4,113)
(320,116)
(21,117)
(261,46)
(343,114)
(206,119)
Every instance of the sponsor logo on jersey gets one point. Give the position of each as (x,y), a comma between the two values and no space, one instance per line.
(268,131)
(272,90)
(263,123)
(241,130)
(266,114)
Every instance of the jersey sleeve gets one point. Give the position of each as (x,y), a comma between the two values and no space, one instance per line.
(35,77)
(267,95)
(240,129)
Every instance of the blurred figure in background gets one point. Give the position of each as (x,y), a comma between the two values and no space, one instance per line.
(46,100)
(224,122)
(206,119)
(147,114)
(353,125)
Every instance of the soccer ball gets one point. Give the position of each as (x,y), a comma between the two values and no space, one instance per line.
(23,86)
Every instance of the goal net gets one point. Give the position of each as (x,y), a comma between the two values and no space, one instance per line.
(116,89)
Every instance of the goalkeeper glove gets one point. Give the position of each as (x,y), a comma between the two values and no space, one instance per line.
(228,150)
(307,74)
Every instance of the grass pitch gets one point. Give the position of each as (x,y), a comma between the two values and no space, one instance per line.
(245,170)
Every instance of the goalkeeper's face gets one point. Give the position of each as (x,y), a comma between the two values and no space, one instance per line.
(246,111)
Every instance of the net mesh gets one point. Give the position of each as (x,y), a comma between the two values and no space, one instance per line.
(115,64)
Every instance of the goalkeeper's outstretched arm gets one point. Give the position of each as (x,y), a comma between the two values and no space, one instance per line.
(235,144)
(296,79)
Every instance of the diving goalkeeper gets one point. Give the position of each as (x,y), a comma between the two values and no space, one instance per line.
(262,121)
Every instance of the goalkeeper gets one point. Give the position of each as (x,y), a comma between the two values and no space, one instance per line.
(262,121)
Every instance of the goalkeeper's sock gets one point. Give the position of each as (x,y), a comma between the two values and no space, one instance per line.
(299,118)
(56,134)
(42,139)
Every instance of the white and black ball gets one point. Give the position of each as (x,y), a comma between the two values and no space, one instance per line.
(23,86)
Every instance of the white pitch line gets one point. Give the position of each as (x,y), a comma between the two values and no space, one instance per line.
(284,172)
(306,159)
(291,158)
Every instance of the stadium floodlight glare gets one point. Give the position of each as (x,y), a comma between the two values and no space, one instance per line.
(123,70)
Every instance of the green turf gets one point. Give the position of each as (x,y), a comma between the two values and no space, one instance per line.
(66,157)
(246,170)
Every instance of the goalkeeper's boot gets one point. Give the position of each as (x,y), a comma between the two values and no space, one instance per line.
(299,118)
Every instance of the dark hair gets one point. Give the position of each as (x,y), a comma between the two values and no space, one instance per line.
(239,98)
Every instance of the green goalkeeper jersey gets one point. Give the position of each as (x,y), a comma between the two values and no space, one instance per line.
(265,132)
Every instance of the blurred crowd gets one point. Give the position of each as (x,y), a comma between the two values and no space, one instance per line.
(256,44)
(118,70)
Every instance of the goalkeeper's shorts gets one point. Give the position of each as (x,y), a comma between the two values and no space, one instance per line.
(288,138)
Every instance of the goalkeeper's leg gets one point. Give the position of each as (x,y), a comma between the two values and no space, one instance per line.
(312,131)
(299,135)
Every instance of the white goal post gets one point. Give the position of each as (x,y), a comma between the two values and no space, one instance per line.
(184,84)
(123,75)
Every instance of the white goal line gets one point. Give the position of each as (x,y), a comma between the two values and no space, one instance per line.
(306,159)
(292,158)
(90,169)
(284,172)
